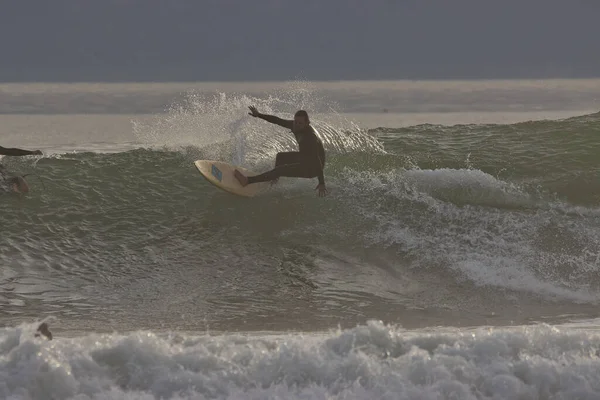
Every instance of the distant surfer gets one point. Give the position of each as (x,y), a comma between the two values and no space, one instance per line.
(14,183)
(308,162)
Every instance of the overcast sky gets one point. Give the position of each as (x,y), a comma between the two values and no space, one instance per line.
(225,40)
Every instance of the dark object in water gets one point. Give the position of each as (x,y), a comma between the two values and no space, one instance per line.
(43,329)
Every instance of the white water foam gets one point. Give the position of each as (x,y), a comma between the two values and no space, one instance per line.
(487,231)
(368,362)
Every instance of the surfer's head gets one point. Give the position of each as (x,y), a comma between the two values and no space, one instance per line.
(301,120)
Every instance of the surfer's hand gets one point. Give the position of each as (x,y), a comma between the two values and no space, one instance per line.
(322,190)
(253,111)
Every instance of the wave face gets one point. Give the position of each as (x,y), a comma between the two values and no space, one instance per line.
(423,223)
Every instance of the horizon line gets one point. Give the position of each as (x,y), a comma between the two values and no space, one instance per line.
(183,81)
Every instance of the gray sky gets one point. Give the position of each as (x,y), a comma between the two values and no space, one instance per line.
(205,40)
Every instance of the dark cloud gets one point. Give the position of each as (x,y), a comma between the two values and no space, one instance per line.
(73,40)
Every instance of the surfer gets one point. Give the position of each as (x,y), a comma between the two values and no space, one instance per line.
(308,162)
(16,183)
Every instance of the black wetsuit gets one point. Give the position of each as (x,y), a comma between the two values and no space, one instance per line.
(309,162)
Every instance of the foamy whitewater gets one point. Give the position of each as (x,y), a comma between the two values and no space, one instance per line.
(456,257)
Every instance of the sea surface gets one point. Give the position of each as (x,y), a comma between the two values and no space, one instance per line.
(457,255)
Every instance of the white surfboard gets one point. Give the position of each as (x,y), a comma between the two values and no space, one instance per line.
(220,174)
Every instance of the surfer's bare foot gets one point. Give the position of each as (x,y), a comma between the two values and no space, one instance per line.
(241,178)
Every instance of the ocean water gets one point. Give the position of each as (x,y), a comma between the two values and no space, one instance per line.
(456,257)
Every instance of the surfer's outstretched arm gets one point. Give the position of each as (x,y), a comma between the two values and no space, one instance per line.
(17,152)
(286,123)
